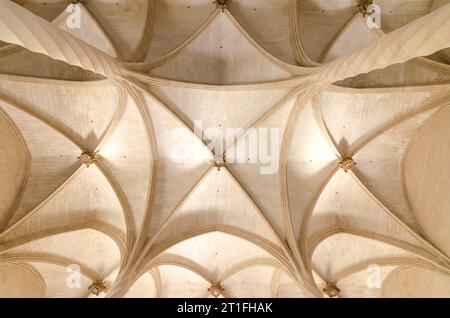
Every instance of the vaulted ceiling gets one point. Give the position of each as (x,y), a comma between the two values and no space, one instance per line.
(87,117)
